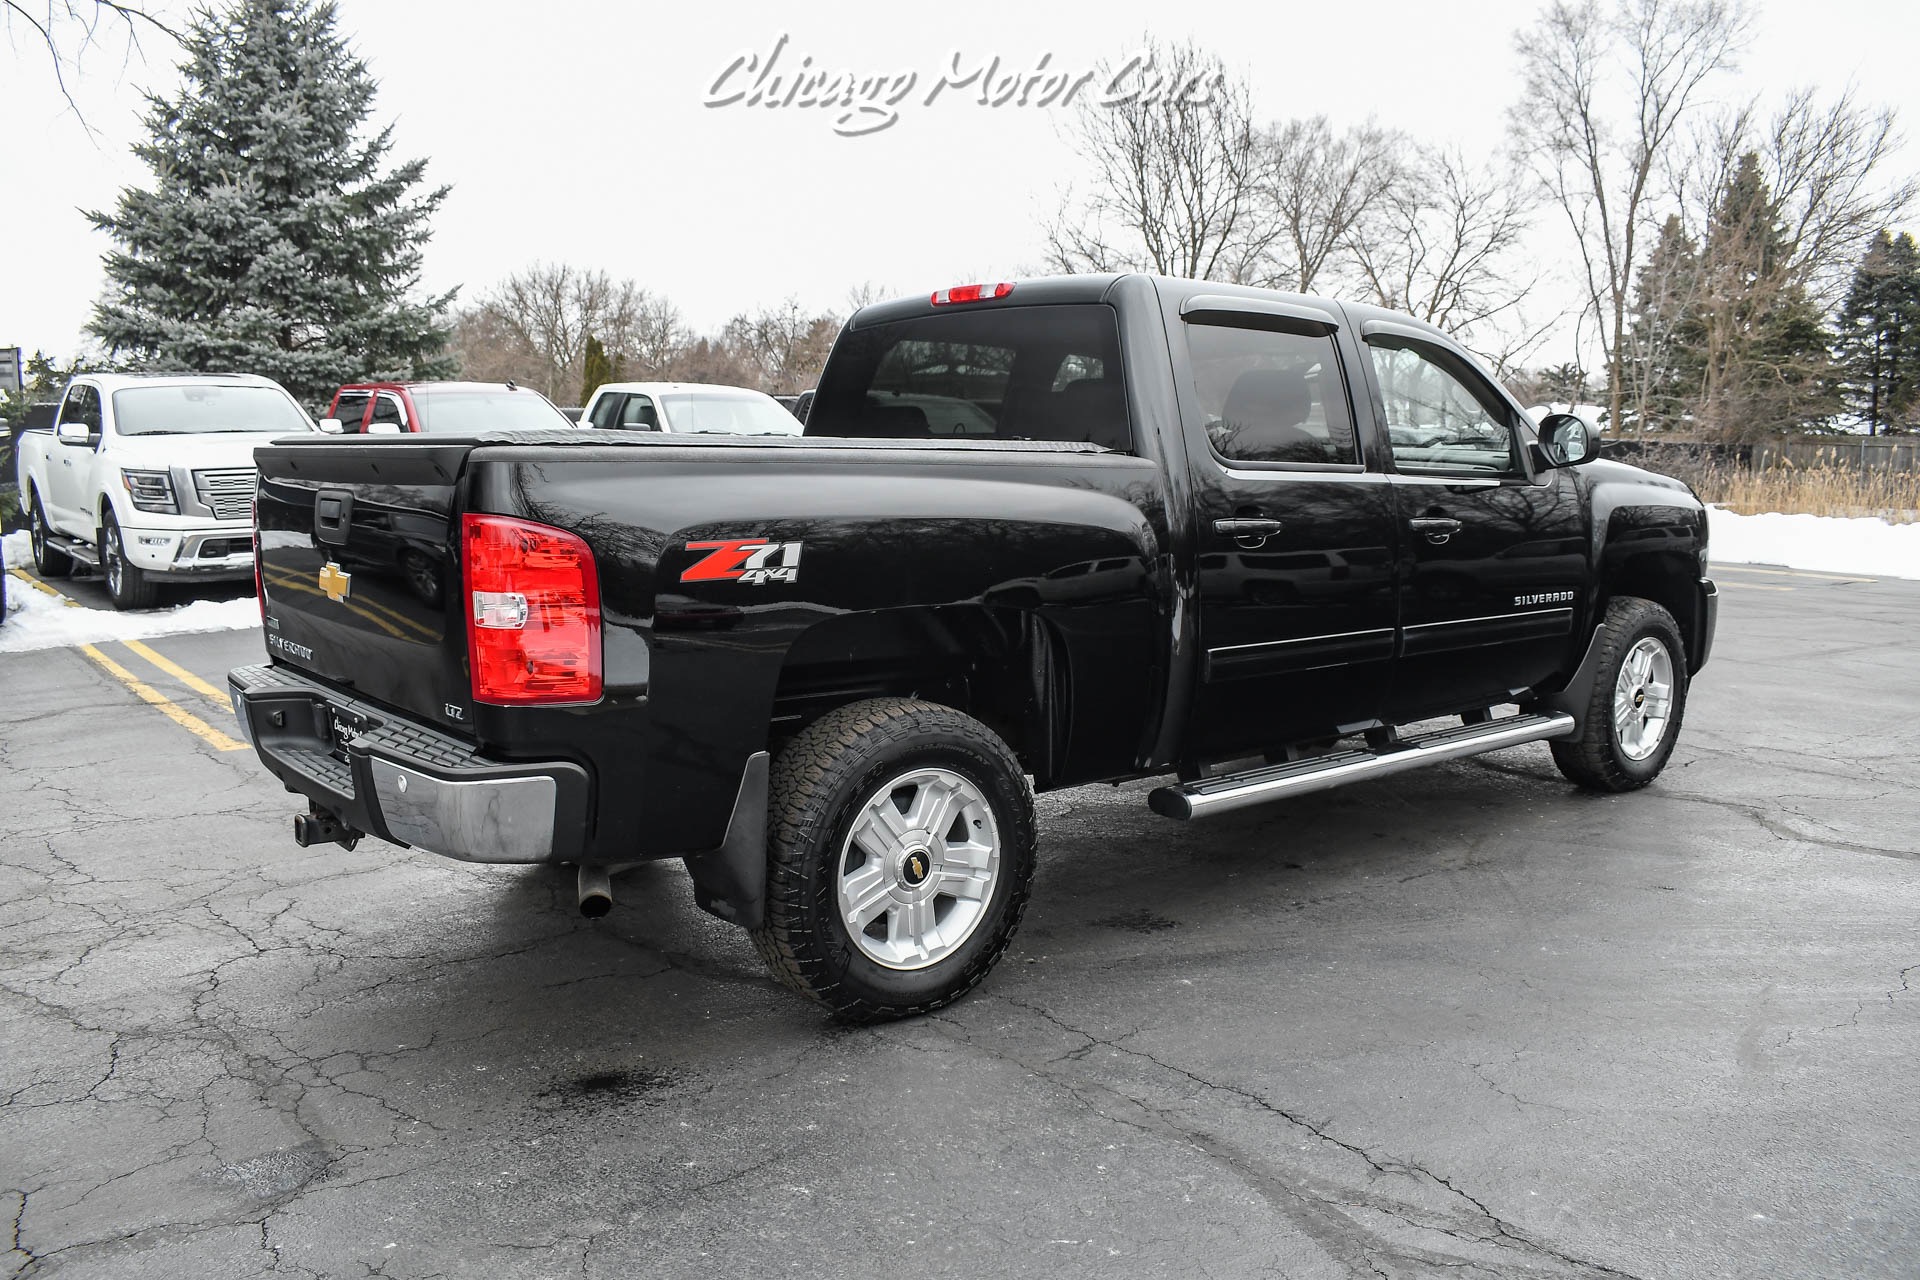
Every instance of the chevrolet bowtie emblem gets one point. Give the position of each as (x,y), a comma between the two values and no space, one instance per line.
(334,584)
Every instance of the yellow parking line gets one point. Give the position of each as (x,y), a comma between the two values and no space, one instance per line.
(185,719)
(181,674)
(32,581)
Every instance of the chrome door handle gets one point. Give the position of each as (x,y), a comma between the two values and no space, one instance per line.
(1251,532)
(1437,528)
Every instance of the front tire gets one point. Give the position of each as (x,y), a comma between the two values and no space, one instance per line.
(1639,695)
(48,561)
(900,854)
(128,587)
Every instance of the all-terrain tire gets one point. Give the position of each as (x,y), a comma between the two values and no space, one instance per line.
(1600,759)
(48,560)
(831,776)
(127,586)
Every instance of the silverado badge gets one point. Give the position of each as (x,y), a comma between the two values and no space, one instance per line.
(334,584)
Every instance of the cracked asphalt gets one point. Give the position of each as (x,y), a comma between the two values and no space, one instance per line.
(1466,1022)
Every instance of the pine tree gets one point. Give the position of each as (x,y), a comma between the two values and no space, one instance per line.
(273,238)
(1753,333)
(1880,332)
(598,368)
(1663,375)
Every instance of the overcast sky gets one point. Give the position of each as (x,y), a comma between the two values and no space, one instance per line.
(577,132)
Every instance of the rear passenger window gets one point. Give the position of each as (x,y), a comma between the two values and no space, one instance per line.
(1008,373)
(1271,396)
(351,410)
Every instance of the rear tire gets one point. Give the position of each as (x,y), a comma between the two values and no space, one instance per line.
(900,854)
(1639,696)
(127,586)
(48,561)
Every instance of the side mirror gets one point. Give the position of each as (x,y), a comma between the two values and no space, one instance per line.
(1567,440)
(384,429)
(76,434)
(332,426)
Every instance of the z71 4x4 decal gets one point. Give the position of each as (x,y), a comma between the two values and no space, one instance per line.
(754,561)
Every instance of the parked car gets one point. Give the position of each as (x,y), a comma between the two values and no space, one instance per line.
(688,407)
(376,408)
(822,669)
(149,478)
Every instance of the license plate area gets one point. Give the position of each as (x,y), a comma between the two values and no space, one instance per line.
(343,727)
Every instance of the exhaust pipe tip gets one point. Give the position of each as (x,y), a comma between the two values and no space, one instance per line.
(596,892)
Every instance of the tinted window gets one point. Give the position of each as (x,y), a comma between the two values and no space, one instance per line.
(204,410)
(1439,417)
(351,409)
(638,414)
(1270,396)
(1018,373)
(386,408)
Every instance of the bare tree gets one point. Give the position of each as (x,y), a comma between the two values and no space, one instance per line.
(1438,242)
(1606,87)
(534,327)
(1315,188)
(783,345)
(71,29)
(1173,175)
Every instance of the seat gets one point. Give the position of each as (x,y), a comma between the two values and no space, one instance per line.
(1263,417)
(894,422)
(1093,410)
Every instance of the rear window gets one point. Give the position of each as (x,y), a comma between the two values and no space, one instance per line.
(1006,373)
(728,413)
(469,411)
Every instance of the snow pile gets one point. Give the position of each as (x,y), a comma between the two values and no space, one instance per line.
(19,549)
(36,620)
(1831,544)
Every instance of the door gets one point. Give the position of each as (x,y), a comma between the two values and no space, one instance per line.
(1495,570)
(1294,569)
(69,466)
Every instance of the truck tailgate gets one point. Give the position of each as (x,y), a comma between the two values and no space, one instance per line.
(360,570)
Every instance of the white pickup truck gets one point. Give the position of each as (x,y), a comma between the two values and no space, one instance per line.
(149,477)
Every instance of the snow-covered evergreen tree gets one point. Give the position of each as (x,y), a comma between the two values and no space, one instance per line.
(273,238)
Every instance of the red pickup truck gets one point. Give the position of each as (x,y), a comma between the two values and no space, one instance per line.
(394,408)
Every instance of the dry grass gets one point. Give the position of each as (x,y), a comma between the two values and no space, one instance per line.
(1821,490)
(1827,487)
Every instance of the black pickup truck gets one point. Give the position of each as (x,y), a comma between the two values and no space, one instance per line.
(1068,530)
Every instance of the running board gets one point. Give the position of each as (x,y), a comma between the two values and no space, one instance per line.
(1256,786)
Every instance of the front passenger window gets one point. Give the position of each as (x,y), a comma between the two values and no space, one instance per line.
(1437,419)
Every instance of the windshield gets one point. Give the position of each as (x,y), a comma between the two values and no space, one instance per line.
(444,411)
(734,413)
(205,410)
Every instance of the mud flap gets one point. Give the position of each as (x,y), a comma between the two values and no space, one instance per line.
(730,881)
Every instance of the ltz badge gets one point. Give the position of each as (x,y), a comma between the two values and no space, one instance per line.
(753,561)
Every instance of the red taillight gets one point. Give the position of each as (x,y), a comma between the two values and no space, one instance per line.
(533,612)
(972,293)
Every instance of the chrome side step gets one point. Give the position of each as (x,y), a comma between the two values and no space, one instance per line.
(1256,786)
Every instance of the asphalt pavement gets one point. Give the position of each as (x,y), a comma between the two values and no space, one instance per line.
(1467,1021)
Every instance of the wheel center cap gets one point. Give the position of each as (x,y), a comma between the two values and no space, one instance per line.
(915,867)
(1639,697)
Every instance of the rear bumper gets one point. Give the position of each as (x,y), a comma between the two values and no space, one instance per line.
(404,781)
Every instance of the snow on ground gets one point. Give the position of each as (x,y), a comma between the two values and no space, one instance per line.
(36,620)
(1830,544)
